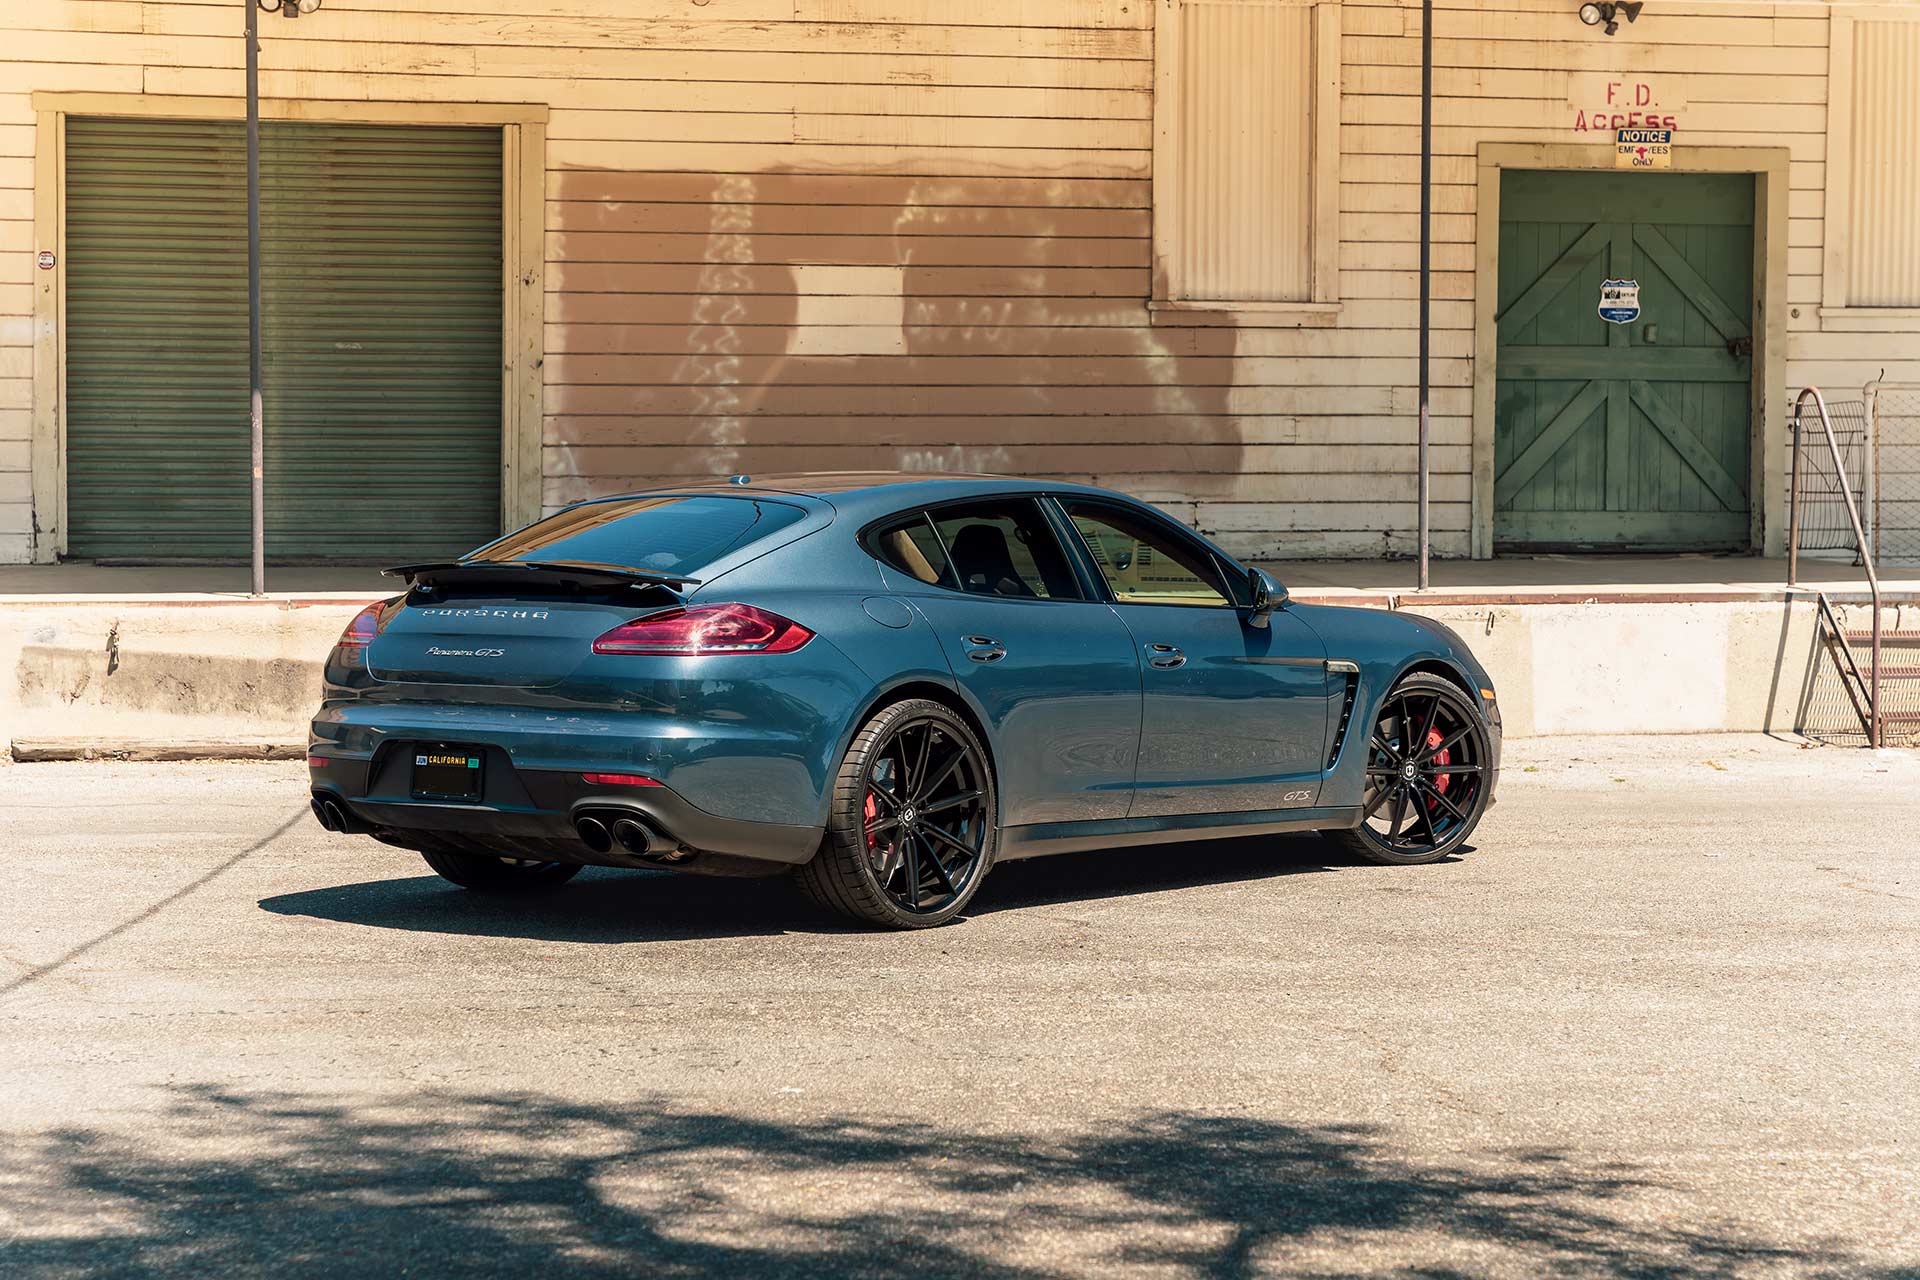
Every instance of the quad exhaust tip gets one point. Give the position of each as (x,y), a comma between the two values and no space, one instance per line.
(635,838)
(593,833)
(600,832)
(329,814)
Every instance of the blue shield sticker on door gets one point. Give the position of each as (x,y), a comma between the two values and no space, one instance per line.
(1619,301)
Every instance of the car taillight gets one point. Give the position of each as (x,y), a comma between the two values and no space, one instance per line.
(708,629)
(366,625)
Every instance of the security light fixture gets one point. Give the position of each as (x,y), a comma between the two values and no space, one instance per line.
(291,8)
(1595,14)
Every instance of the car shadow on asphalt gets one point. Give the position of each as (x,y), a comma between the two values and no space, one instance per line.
(1161,867)
(613,906)
(310,1186)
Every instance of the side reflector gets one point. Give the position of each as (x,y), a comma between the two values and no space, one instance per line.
(318,762)
(621,780)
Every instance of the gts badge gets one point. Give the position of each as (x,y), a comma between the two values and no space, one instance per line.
(436,651)
(1296,797)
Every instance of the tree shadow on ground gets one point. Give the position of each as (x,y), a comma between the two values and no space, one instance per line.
(659,906)
(527,1185)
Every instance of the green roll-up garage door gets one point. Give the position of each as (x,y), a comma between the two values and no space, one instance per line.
(382,279)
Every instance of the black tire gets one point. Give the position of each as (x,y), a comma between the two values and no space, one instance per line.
(918,773)
(1420,806)
(485,873)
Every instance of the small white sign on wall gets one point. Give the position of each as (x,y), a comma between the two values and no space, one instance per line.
(1619,301)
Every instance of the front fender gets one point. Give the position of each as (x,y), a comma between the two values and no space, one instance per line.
(1385,645)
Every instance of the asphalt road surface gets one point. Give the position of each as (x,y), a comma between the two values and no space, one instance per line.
(1663,1020)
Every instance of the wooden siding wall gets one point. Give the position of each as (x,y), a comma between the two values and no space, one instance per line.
(855,233)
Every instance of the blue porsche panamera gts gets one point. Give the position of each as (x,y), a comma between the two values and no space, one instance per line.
(882,684)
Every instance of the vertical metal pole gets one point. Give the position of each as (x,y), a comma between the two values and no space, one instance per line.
(1793,507)
(256,411)
(1426,270)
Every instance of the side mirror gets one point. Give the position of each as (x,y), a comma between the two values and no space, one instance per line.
(1266,593)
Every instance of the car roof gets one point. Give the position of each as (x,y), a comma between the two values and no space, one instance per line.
(866,494)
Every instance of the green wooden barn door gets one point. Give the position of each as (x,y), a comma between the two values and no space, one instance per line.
(382,267)
(1629,436)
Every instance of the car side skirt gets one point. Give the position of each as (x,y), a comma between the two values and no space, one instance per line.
(1044,838)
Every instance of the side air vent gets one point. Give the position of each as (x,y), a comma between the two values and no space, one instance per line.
(1352,673)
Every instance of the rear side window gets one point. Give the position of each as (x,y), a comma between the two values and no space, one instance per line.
(667,534)
(915,550)
(1005,548)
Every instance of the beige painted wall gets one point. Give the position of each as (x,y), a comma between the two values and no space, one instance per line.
(850,233)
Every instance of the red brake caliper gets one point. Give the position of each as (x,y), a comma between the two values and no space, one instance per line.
(1440,780)
(871,812)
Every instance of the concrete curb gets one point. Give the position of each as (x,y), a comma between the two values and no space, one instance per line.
(38,750)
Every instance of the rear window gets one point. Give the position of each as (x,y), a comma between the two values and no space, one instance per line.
(668,535)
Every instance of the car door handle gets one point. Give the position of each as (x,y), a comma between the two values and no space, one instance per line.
(1165,656)
(984,648)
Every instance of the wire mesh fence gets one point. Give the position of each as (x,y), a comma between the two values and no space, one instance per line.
(1824,525)
(1830,712)
(1878,443)
(1893,488)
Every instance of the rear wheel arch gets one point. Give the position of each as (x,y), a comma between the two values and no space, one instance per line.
(933,691)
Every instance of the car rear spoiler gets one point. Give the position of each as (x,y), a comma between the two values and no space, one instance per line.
(572,571)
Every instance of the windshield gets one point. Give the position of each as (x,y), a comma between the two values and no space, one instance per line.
(665,535)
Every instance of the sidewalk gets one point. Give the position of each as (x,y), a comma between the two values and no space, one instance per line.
(78,582)
(1511,580)
(1598,579)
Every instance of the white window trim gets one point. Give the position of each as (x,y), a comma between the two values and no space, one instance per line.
(1323,302)
(1837,311)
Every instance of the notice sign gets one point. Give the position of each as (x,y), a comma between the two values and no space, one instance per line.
(1643,149)
(1619,301)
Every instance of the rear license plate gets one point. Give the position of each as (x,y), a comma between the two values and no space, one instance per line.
(446,773)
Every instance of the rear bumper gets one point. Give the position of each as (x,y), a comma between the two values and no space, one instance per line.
(532,811)
(751,762)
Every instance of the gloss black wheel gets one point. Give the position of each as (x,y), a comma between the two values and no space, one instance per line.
(912,827)
(1428,773)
